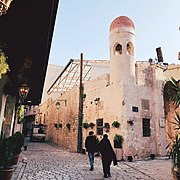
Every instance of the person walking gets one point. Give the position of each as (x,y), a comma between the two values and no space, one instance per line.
(107,155)
(90,143)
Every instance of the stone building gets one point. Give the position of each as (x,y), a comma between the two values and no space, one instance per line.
(32,114)
(25,38)
(122,89)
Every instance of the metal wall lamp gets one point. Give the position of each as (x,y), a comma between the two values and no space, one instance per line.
(58,104)
(97,100)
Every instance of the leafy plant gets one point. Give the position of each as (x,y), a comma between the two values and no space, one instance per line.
(18,142)
(91,125)
(6,152)
(85,125)
(116,124)
(4,67)
(174,145)
(173,94)
(107,127)
(118,140)
(20,113)
(175,154)
(118,137)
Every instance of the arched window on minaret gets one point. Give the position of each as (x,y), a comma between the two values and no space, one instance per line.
(130,49)
(118,49)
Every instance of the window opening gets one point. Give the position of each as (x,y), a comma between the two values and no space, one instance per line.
(146,127)
(99,125)
(118,49)
(130,49)
(134,109)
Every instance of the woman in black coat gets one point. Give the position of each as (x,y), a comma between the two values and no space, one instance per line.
(107,154)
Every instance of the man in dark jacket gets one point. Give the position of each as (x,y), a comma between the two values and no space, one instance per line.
(107,154)
(90,143)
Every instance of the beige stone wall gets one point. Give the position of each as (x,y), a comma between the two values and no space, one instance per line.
(68,113)
(159,115)
(144,74)
(171,115)
(109,99)
(116,101)
(172,71)
(149,83)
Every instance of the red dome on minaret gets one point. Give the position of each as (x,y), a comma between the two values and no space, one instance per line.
(121,21)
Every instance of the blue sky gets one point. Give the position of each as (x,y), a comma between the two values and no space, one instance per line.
(82,26)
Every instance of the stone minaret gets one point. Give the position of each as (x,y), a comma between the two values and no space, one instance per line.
(122,51)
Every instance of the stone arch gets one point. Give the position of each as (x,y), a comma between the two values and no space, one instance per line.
(130,48)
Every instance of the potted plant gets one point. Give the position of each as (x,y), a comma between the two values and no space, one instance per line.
(118,140)
(175,154)
(107,127)
(18,141)
(91,125)
(6,156)
(85,125)
(172,94)
(116,124)
(174,147)
(129,158)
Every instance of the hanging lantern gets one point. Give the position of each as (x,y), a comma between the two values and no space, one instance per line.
(4,5)
(23,91)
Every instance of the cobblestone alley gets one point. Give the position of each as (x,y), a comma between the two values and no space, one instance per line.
(42,161)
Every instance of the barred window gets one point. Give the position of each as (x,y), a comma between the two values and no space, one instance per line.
(145,104)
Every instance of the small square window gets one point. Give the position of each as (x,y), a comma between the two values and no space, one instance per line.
(135,109)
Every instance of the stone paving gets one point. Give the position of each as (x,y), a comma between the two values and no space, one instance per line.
(42,161)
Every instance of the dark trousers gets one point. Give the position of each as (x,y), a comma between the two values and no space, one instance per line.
(106,165)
